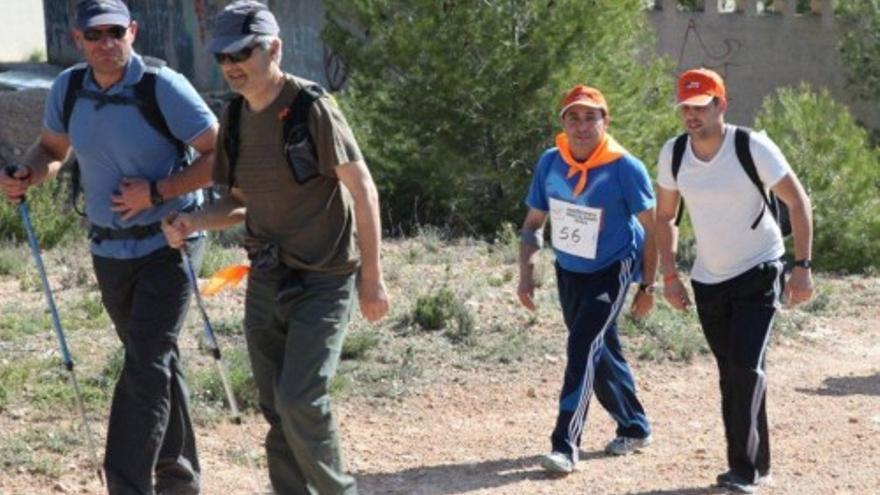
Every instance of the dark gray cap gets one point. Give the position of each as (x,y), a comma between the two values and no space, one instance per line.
(91,13)
(237,25)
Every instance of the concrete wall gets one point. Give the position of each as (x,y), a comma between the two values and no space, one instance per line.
(757,52)
(177,31)
(22,32)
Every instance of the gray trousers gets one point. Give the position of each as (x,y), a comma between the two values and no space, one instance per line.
(149,433)
(295,324)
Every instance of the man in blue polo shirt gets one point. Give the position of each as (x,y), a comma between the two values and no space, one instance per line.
(599,200)
(133,174)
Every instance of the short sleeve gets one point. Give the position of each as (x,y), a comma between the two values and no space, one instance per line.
(537,196)
(769,160)
(186,113)
(636,185)
(333,137)
(664,167)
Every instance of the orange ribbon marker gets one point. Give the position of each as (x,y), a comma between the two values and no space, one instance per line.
(225,277)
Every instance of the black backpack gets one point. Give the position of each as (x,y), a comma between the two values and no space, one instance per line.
(298,145)
(144,99)
(741,143)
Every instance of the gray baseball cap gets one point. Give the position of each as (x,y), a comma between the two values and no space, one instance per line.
(91,13)
(237,25)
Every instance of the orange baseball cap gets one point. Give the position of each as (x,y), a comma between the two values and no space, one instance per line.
(584,96)
(698,87)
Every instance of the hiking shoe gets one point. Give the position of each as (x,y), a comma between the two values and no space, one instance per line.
(724,479)
(627,445)
(557,462)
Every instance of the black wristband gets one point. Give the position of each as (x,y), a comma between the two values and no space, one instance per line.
(805,263)
(155,196)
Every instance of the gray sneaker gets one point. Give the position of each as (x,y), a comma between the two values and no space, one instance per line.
(627,445)
(557,462)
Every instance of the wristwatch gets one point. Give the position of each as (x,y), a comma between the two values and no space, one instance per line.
(155,196)
(647,288)
(805,263)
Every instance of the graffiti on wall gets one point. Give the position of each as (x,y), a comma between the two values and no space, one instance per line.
(719,60)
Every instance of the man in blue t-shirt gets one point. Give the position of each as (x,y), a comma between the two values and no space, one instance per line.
(133,174)
(599,200)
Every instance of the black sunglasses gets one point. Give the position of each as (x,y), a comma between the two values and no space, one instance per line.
(114,32)
(235,57)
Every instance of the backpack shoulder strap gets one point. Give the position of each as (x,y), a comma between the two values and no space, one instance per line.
(231,140)
(148,104)
(299,108)
(74,84)
(678,149)
(741,139)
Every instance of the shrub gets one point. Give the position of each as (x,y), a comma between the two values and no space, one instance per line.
(357,344)
(208,388)
(453,102)
(52,224)
(432,311)
(443,309)
(218,256)
(839,170)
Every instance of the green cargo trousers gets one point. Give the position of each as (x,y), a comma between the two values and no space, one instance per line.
(295,324)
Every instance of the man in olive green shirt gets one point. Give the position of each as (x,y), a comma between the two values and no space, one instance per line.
(311,212)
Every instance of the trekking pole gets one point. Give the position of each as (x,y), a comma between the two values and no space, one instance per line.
(211,338)
(215,352)
(56,323)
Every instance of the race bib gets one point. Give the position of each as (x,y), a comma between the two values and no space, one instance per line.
(575,229)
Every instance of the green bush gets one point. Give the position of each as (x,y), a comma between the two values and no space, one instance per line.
(665,334)
(52,223)
(442,309)
(453,102)
(208,388)
(358,343)
(859,44)
(838,168)
(218,256)
(432,311)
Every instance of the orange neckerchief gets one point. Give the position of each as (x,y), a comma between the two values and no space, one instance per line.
(606,152)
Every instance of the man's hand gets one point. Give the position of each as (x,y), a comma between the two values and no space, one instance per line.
(526,290)
(373,298)
(15,182)
(799,287)
(177,227)
(676,295)
(642,304)
(133,197)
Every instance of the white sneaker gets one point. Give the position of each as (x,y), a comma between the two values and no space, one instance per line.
(627,445)
(557,462)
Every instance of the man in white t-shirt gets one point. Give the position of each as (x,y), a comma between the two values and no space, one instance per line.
(737,275)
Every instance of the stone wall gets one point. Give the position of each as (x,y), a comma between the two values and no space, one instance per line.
(757,51)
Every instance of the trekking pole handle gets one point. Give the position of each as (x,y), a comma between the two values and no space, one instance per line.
(11,170)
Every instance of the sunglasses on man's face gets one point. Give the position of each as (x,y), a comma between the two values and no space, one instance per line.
(114,32)
(235,57)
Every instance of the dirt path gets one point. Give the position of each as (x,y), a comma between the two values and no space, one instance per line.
(482,433)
